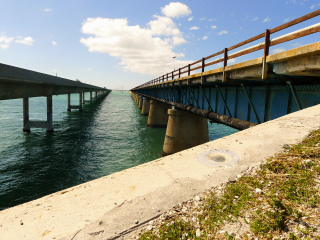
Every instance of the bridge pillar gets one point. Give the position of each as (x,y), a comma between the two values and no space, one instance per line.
(90,97)
(49,114)
(145,107)
(26,127)
(136,99)
(158,114)
(69,103)
(75,106)
(80,102)
(140,102)
(27,124)
(184,130)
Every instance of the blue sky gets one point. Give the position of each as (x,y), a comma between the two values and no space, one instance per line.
(123,43)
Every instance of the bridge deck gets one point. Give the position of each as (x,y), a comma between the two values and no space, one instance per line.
(20,83)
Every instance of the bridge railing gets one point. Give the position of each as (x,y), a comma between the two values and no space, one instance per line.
(268,42)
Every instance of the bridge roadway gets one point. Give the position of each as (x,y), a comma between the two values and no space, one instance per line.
(21,83)
(246,93)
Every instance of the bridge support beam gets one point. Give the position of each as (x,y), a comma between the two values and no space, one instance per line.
(184,130)
(27,124)
(158,114)
(145,107)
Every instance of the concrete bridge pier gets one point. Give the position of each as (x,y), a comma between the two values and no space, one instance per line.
(27,124)
(75,106)
(158,114)
(184,130)
(145,107)
(140,102)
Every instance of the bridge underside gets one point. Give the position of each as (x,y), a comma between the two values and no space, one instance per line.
(21,83)
(292,84)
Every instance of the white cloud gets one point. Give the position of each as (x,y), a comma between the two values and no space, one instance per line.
(5,42)
(48,10)
(194,28)
(267,19)
(213,27)
(315,5)
(254,19)
(26,40)
(141,50)
(89,68)
(232,60)
(176,10)
(190,19)
(205,38)
(223,32)
(202,19)
(278,50)
(54,43)
(163,26)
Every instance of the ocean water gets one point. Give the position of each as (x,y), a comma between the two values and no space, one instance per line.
(110,135)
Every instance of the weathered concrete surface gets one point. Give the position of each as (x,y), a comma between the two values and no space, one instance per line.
(184,130)
(158,114)
(108,206)
(145,107)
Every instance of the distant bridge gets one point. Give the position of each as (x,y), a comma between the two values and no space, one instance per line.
(247,93)
(21,83)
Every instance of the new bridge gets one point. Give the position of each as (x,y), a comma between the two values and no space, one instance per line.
(22,83)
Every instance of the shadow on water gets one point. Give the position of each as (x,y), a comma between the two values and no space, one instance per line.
(45,163)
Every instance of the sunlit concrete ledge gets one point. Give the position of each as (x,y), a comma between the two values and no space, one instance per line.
(111,205)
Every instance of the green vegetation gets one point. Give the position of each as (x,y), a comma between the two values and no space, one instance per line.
(278,200)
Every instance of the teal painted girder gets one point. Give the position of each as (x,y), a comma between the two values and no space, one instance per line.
(251,103)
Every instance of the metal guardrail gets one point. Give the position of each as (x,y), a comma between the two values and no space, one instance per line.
(268,42)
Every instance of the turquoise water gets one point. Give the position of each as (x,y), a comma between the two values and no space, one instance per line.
(107,137)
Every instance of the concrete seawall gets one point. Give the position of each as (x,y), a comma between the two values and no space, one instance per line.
(112,205)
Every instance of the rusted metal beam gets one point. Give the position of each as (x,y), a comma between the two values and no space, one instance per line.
(261,35)
(214,55)
(296,21)
(297,34)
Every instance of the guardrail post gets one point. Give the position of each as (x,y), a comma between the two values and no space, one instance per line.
(188,69)
(179,72)
(203,64)
(172,75)
(225,62)
(266,53)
